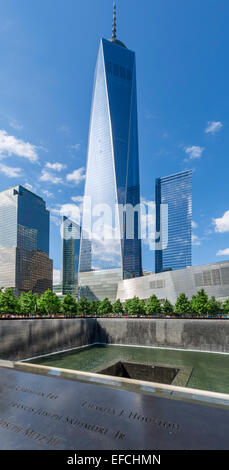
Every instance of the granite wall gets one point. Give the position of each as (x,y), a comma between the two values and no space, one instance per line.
(23,339)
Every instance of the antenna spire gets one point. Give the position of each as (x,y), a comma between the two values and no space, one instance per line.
(114,29)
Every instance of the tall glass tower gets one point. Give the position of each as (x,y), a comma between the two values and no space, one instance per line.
(174,232)
(112,177)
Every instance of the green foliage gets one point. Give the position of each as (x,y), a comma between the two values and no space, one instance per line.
(167,307)
(69,305)
(49,303)
(182,305)
(214,306)
(153,306)
(226,306)
(93,307)
(8,302)
(135,306)
(200,303)
(117,307)
(83,307)
(105,307)
(28,303)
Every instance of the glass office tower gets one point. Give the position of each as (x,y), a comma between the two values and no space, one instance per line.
(174,232)
(112,176)
(70,256)
(24,241)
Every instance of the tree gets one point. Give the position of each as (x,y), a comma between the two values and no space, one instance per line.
(69,305)
(226,306)
(200,303)
(93,307)
(214,306)
(117,307)
(8,302)
(182,305)
(105,307)
(49,303)
(27,303)
(83,307)
(153,306)
(167,307)
(135,306)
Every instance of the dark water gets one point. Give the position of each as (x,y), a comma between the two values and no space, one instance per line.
(210,370)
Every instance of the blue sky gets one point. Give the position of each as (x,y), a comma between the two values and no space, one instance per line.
(48,51)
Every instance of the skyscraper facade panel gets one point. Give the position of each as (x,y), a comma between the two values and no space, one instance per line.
(174,232)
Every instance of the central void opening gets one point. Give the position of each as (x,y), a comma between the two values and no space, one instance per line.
(140,371)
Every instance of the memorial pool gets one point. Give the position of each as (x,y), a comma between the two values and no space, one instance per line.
(206,371)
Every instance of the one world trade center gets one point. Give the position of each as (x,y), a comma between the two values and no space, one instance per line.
(109,250)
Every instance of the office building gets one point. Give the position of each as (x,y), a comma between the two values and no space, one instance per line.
(173,249)
(213,278)
(24,242)
(70,256)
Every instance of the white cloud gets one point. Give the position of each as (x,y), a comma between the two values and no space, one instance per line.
(75,147)
(77,176)
(28,186)
(49,177)
(78,199)
(10,172)
(55,166)
(194,151)
(56,276)
(72,211)
(10,145)
(223,252)
(194,224)
(65,129)
(196,241)
(15,125)
(213,127)
(222,223)
(47,193)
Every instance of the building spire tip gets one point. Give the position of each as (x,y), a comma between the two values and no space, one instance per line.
(114,29)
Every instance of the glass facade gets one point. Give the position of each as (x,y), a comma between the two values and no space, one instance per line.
(70,256)
(112,176)
(175,231)
(24,241)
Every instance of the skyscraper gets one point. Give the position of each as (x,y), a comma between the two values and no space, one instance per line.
(108,254)
(174,231)
(24,241)
(70,256)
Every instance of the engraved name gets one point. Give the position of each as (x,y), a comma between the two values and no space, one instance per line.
(132,415)
(20,388)
(50,441)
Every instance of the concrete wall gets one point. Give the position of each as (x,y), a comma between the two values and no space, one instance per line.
(23,339)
